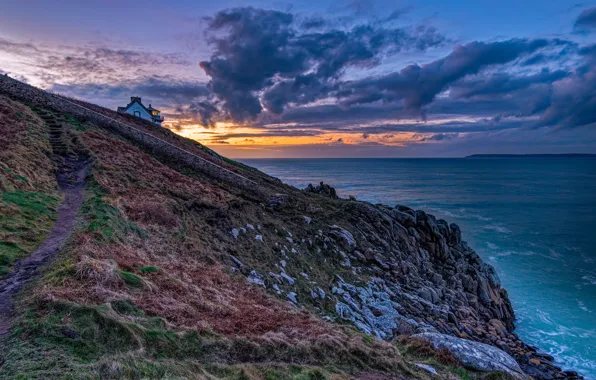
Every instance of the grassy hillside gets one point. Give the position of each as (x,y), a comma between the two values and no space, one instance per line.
(153,280)
(29,197)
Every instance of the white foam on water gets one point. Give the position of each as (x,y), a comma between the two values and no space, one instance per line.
(460,214)
(491,245)
(482,218)
(497,227)
(554,254)
(515,253)
(549,339)
(583,306)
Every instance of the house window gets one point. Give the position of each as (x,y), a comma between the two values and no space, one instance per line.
(138,113)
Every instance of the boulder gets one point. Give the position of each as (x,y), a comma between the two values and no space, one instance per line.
(255,278)
(475,355)
(292,297)
(280,200)
(427,368)
(322,189)
(403,218)
(343,237)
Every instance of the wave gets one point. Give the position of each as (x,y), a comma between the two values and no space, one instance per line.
(583,306)
(497,227)
(462,213)
(554,339)
(496,255)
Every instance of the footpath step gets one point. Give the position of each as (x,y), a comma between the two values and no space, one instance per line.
(56,129)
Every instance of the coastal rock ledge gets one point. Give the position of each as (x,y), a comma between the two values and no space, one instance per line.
(395,271)
(478,356)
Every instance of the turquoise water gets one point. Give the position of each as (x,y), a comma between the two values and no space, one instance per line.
(532,218)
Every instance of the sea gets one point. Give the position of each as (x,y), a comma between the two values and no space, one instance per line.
(532,218)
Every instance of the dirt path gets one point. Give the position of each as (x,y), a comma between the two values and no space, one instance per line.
(71,179)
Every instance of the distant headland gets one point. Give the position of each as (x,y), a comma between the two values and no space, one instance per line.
(532,155)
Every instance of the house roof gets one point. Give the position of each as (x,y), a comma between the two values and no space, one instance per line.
(137,100)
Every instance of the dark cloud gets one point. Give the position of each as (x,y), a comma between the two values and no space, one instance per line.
(417,86)
(205,112)
(335,114)
(275,133)
(437,137)
(503,83)
(536,59)
(332,117)
(586,19)
(589,52)
(398,13)
(383,127)
(263,58)
(359,7)
(314,23)
(573,100)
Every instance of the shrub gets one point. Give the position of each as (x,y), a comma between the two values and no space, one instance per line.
(97,271)
(423,349)
(149,269)
(131,279)
(125,307)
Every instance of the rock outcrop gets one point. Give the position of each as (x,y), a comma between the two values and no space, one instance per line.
(322,189)
(425,279)
(407,273)
(474,355)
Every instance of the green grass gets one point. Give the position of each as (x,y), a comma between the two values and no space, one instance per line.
(66,339)
(75,123)
(149,269)
(31,204)
(106,220)
(131,279)
(8,252)
(25,221)
(126,307)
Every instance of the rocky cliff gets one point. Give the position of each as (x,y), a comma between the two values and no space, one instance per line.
(183,263)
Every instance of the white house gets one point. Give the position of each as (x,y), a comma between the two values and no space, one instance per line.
(136,108)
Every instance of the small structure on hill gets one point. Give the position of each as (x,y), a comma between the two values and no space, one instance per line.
(136,108)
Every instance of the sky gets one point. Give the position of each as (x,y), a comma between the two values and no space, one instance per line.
(325,78)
